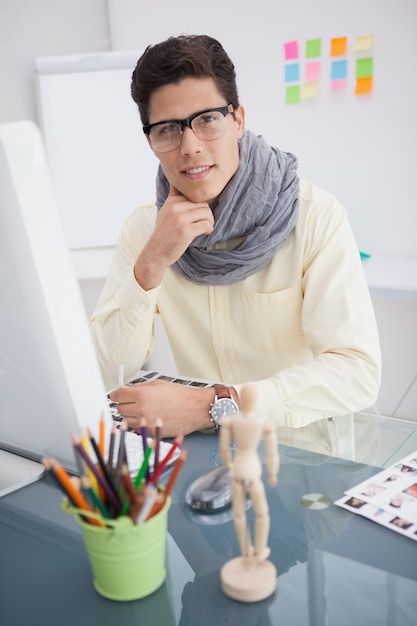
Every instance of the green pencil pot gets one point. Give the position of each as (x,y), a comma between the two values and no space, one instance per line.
(127,560)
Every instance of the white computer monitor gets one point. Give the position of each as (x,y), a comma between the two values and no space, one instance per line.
(50,381)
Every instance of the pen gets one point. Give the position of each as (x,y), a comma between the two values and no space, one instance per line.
(121,375)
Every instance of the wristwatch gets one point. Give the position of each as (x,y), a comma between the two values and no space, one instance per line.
(223,405)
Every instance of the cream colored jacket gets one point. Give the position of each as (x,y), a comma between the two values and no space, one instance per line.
(303,327)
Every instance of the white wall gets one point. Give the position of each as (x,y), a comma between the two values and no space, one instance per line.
(32,28)
(360,148)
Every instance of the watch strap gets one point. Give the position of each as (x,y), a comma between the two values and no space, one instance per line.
(222,391)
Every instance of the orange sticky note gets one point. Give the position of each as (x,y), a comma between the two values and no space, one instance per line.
(338,46)
(363,85)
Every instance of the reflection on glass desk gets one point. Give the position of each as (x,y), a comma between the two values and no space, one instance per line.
(363,437)
(333,567)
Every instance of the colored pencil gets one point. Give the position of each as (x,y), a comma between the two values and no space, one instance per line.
(111,448)
(73,492)
(157,473)
(151,493)
(158,428)
(100,478)
(100,506)
(101,463)
(137,505)
(121,456)
(166,492)
(144,433)
(47,463)
(86,445)
(142,470)
(128,489)
(102,437)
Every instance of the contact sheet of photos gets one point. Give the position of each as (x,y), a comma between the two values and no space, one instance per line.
(388,498)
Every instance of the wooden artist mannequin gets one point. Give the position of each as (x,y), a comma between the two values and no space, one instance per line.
(251,577)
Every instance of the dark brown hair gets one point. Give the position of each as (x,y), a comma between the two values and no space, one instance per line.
(176,58)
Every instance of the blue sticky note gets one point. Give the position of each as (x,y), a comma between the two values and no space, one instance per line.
(292,72)
(338,70)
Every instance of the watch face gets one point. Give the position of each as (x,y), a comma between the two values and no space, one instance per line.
(222,407)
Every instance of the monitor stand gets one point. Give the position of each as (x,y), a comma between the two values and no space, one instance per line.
(17,471)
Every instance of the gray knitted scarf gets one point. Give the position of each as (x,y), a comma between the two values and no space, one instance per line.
(260,203)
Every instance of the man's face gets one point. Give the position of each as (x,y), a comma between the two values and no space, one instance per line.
(198,169)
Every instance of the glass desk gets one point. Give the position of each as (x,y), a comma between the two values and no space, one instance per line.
(333,567)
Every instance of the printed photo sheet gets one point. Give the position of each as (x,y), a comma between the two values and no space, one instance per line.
(388,498)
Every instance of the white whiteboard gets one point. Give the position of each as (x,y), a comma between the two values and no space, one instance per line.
(101,165)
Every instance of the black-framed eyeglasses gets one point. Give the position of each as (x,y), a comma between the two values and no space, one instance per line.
(208,125)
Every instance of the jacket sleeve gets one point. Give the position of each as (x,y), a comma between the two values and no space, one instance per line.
(122,321)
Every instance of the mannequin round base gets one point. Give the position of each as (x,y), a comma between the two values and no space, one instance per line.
(248,579)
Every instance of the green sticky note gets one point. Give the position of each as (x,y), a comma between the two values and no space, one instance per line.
(364,255)
(292,94)
(313,48)
(364,67)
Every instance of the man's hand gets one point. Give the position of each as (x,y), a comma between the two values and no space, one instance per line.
(178,223)
(181,409)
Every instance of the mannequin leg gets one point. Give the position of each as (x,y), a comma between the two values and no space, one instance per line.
(262,519)
(240,521)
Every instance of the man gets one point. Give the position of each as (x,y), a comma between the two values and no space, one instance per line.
(256,275)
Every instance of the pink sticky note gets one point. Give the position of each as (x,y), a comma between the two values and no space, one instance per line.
(338,84)
(313,71)
(291,50)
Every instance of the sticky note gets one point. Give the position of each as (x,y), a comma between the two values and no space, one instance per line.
(309,90)
(312,70)
(364,67)
(363,43)
(292,94)
(313,48)
(291,50)
(363,86)
(292,72)
(338,84)
(338,70)
(338,46)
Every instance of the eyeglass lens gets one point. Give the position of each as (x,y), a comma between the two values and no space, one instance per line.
(207,126)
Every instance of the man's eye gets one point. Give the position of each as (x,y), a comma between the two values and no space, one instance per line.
(207,118)
(168,129)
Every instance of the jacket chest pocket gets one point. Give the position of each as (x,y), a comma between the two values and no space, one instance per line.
(273,320)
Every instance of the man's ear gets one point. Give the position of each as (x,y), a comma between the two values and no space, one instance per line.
(240,121)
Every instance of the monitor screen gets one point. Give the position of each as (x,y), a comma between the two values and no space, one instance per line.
(50,381)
